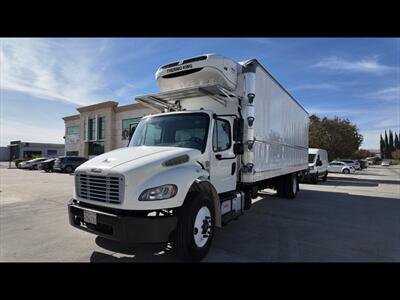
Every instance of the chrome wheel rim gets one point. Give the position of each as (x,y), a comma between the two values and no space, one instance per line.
(202,227)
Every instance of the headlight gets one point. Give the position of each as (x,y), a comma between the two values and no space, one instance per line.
(311,168)
(159,193)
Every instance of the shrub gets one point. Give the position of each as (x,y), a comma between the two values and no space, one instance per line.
(396,154)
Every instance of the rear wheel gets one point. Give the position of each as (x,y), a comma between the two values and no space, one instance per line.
(288,186)
(325,176)
(195,227)
(315,179)
(346,171)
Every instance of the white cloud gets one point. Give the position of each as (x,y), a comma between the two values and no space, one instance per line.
(60,71)
(316,86)
(366,65)
(388,94)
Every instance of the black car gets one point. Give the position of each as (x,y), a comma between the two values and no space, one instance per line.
(68,164)
(47,165)
(363,163)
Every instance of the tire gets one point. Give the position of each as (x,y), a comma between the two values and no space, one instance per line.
(190,243)
(292,185)
(346,171)
(325,176)
(288,186)
(68,169)
(315,179)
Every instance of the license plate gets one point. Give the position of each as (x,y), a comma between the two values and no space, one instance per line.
(89,217)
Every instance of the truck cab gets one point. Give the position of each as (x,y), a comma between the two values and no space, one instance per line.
(190,167)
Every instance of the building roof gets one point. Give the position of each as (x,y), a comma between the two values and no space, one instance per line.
(110,104)
(130,107)
(34,144)
(71,118)
(100,105)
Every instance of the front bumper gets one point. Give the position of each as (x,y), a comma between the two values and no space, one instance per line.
(123,226)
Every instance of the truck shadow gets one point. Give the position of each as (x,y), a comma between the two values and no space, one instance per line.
(157,252)
(348,182)
(317,226)
(359,181)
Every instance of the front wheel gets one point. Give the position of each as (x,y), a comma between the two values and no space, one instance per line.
(195,227)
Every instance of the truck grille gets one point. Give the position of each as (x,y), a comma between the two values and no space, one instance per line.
(100,188)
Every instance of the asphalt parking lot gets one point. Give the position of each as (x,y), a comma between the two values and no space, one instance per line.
(348,218)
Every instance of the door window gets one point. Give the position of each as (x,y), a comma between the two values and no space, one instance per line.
(222,135)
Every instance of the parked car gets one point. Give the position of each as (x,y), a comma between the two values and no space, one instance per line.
(317,165)
(47,165)
(352,162)
(340,167)
(385,164)
(68,164)
(32,164)
(363,163)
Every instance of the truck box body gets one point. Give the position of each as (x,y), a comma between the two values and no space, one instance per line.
(280,131)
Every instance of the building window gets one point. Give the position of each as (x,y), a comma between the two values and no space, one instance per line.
(51,153)
(92,129)
(128,125)
(96,148)
(72,153)
(84,130)
(101,127)
(73,130)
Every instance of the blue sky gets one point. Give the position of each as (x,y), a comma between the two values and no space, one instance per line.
(43,80)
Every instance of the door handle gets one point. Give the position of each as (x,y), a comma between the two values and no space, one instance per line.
(219,157)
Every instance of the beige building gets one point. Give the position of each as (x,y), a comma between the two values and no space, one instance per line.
(101,127)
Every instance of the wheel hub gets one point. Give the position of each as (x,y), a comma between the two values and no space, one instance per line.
(202,226)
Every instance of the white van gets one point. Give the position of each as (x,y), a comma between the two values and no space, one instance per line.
(317,164)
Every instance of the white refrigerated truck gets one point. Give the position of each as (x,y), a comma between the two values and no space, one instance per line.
(224,131)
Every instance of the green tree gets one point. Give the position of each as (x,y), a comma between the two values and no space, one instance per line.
(382,146)
(391,143)
(386,149)
(396,141)
(338,136)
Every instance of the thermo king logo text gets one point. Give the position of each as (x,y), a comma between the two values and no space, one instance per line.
(179,68)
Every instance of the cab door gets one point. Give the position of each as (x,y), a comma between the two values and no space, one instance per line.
(223,162)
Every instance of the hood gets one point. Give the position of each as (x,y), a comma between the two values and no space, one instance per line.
(129,158)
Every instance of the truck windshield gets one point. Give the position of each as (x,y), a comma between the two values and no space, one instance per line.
(176,130)
(311,158)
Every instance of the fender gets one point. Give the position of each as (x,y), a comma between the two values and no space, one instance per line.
(203,184)
(182,176)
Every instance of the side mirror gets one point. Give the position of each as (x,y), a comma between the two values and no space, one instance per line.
(319,163)
(238,148)
(238,127)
